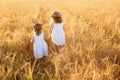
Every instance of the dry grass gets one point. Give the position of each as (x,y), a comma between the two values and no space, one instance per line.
(92,50)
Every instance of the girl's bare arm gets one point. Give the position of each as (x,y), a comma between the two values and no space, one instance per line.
(63,27)
(45,37)
(32,40)
(51,28)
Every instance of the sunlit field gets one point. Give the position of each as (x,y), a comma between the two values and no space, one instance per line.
(92,49)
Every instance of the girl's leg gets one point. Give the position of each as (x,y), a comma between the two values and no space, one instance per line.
(61,48)
(57,48)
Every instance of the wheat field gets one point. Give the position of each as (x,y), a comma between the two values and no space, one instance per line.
(92,50)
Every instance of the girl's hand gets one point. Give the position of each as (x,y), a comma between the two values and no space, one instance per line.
(49,36)
(32,40)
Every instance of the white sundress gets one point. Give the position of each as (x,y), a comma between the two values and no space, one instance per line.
(40,47)
(58,36)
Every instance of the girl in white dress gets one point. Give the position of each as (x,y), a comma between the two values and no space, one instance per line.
(40,47)
(57,31)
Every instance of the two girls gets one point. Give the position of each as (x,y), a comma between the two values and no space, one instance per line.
(56,30)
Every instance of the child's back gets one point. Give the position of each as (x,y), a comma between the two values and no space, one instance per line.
(39,46)
(57,30)
(58,36)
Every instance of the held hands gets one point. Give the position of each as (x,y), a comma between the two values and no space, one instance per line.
(48,37)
